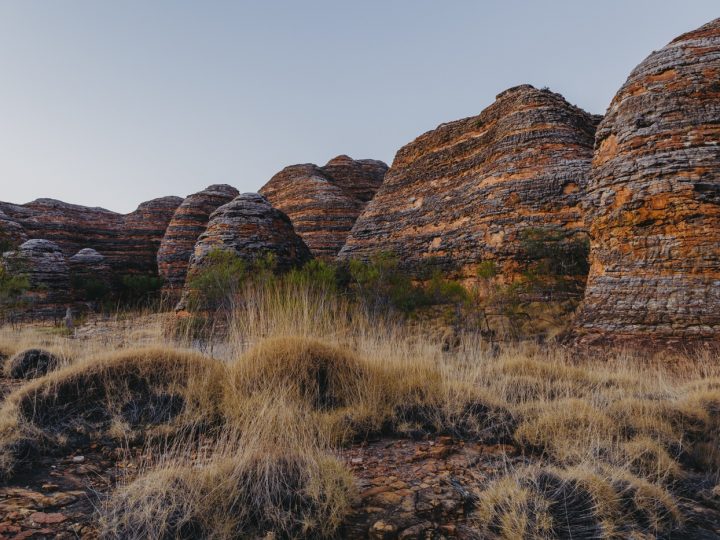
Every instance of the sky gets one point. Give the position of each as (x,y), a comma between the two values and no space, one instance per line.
(114,103)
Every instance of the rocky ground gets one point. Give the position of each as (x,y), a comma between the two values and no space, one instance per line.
(406,489)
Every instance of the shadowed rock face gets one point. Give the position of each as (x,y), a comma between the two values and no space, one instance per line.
(129,242)
(186,226)
(90,275)
(653,201)
(465,192)
(324,202)
(142,232)
(11,233)
(250,227)
(44,264)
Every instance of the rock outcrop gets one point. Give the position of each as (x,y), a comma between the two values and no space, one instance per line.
(142,232)
(91,276)
(250,227)
(324,202)
(185,227)
(11,233)
(44,264)
(654,200)
(465,192)
(129,242)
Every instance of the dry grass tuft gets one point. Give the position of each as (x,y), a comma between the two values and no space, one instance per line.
(580,502)
(306,370)
(273,477)
(32,363)
(142,390)
(568,430)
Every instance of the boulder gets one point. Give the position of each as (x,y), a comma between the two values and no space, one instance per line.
(468,191)
(250,227)
(324,202)
(187,224)
(46,268)
(653,203)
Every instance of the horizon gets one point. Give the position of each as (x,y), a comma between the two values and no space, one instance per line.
(113,105)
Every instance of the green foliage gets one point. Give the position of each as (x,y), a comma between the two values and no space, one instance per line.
(139,289)
(552,252)
(444,291)
(318,275)
(12,287)
(214,286)
(487,270)
(91,289)
(380,284)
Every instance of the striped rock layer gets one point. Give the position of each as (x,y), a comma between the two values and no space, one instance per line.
(252,229)
(129,242)
(654,199)
(465,192)
(185,227)
(324,202)
(46,268)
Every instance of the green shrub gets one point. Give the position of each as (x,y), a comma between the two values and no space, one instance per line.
(380,284)
(215,285)
(91,289)
(139,289)
(554,252)
(12,287)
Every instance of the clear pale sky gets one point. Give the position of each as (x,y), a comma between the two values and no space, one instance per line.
(112,103)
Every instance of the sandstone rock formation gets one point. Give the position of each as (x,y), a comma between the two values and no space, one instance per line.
(324,202)
(654,199)
(129,242)
(142,232)
(45,266)
(11,233)
(187,224)
(91,276)
(465,192)
(250,227)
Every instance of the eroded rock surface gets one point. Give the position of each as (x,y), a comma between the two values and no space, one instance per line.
(129,242)
(251,228)
(324,202)
(186,226)
(46,269)
(465,192)
(654,200)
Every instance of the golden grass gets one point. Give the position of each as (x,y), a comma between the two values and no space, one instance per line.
(273,476)
(301,374)
(165,389)
(579,502)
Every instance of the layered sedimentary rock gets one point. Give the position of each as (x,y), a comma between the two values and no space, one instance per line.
(91,276)
(11,233)
(188,223)
(467,191)
(361,177)
(324,202)
(45,266)
(142,232)
(654,199)
(129,242)
(251,228)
